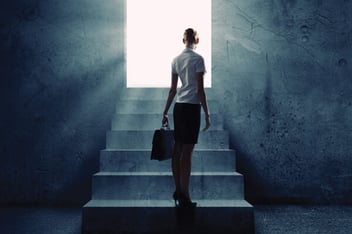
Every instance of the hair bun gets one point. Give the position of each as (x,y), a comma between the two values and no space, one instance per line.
(190,35)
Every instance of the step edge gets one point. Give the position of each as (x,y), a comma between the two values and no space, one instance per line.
(147,173)
(149,150)
(152,130)
(206,203)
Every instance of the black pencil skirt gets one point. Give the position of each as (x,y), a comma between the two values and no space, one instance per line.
(186,122)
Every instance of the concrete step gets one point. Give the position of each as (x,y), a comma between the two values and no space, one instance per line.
(154,94)
(160,216)
(144,94)
(126,139)
(159,185)
(139,160)
(153,107)
(152,121)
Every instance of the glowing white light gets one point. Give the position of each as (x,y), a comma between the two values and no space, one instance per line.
(154,37)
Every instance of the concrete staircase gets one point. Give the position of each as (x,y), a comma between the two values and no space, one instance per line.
(133,194)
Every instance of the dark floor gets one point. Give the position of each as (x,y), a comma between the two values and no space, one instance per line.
(268,219)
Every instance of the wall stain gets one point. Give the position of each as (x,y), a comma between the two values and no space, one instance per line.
(268,95)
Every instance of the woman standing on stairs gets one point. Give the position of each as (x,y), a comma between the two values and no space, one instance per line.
(189,66)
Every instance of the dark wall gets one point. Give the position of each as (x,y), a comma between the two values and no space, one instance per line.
(281,70)
(60,79)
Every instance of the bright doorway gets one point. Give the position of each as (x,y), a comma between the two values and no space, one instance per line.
(154,37)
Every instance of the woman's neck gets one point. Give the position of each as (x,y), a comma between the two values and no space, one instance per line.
(191,46)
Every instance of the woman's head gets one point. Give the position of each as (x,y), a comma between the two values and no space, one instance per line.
(190,37)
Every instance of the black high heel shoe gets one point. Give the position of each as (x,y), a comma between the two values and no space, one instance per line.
(176,199)
(185,202)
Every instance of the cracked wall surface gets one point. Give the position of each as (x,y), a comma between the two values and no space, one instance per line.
(281,70)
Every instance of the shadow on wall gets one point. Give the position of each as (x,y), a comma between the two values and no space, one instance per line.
(56,141)
(62,66)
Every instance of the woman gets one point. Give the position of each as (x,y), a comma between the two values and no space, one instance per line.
(189,67)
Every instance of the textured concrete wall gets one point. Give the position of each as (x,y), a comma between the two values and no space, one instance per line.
(60,76)
(281,68)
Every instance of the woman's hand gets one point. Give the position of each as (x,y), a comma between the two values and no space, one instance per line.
(165,121)
(207,123)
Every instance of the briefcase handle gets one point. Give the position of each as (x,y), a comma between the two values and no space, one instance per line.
(165,126)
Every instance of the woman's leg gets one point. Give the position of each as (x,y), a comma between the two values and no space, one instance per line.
(181,167)
(185,168)
(175,165)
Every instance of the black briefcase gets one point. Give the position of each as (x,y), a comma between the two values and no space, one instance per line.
(163,143)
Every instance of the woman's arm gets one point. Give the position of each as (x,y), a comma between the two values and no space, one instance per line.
(203,98)
(172,93)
